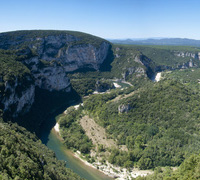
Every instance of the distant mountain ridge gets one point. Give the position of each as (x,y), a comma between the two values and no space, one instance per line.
(162,41)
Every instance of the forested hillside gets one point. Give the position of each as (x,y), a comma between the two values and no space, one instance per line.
(158,124)
(23,156)
(189,77)
(160,127)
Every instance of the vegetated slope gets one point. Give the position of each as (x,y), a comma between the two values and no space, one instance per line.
(159,125)
(72,133)
(23,156)
(134,63)
(171,56)
(189,169)
(10,67)
(189,77)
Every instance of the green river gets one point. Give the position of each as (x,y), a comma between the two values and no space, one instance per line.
(50,138)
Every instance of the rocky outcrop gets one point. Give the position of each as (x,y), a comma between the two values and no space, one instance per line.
(187,54)
(124,108)
(190,63)
(140,70)
(186,65)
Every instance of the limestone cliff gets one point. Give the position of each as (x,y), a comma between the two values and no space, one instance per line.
(143,67)
(147,67)
(49,55)
(188,64)
(152,67)
(52,54)
(187,54)
(17,96)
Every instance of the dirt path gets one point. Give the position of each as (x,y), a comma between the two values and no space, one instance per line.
(96,133)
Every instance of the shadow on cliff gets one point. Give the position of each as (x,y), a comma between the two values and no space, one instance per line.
(42,116)
(106,65)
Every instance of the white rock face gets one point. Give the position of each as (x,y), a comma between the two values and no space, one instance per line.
(81,56)
(72,57)
(187,54)
(26,98)
(137,70)
(21,102)
(50,77)
(61,56)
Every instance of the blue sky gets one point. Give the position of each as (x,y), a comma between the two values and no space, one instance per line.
(105,18)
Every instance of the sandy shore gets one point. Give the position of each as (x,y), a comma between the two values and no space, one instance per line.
(116,85)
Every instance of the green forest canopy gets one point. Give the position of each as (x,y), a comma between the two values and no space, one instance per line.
(23,156)
(161,129)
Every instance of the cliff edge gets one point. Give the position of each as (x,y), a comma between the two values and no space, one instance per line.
(45,58)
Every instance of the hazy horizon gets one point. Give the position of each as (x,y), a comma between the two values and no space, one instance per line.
(155,38)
